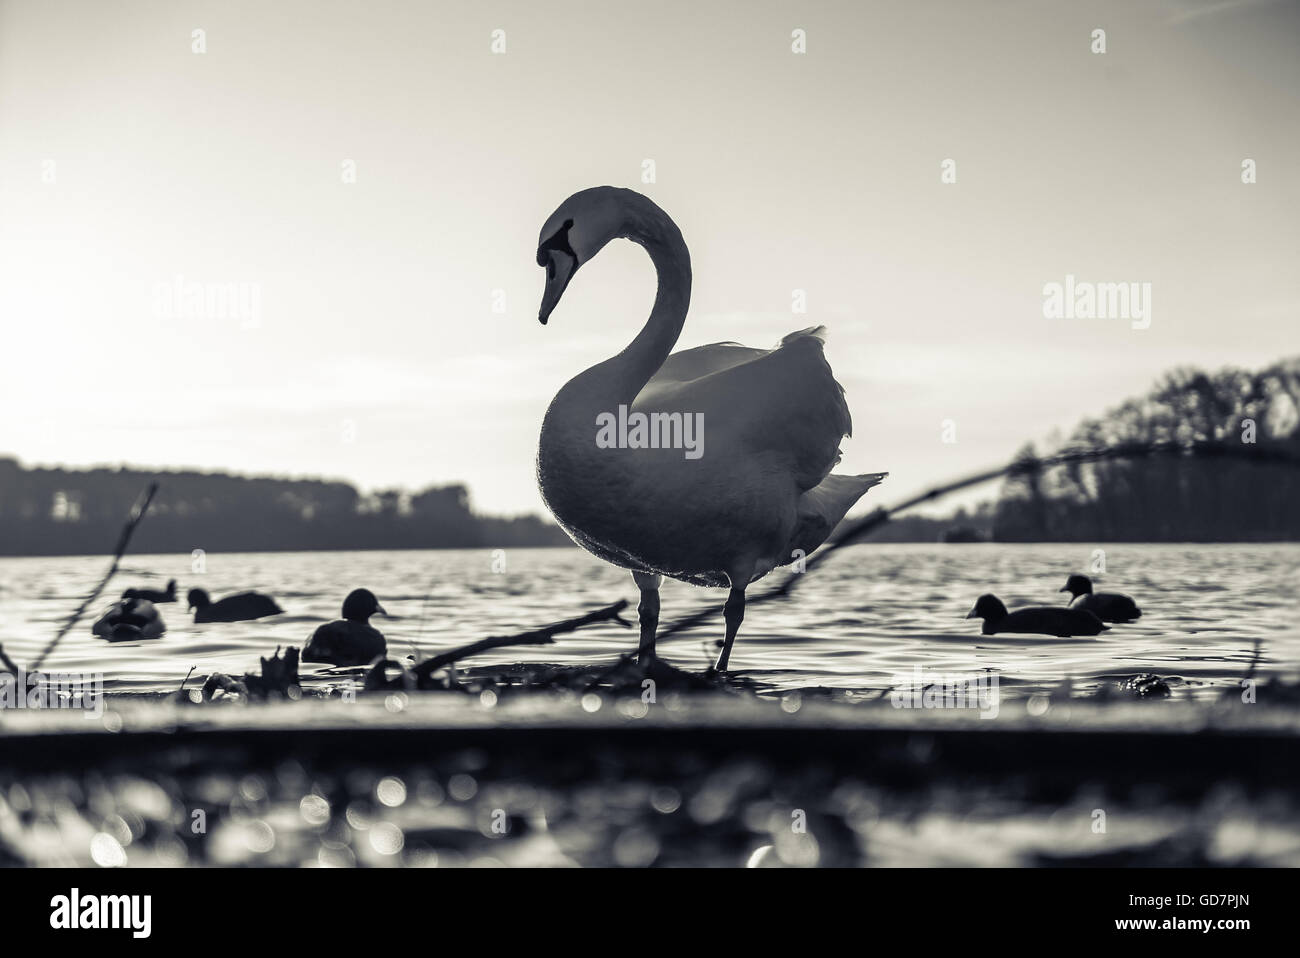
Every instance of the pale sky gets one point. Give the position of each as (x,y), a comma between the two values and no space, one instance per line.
(127,160)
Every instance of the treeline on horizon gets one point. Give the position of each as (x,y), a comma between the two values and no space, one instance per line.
(1165,498)
(57,511)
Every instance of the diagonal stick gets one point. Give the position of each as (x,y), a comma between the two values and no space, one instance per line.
(133,520)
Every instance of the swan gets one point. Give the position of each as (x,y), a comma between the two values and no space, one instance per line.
(240,607)
(1038,620)
(1107,606)
(153,595)
(727,473)
(351,640)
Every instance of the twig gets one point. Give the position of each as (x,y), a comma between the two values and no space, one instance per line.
(133,520)
(1254,660)
(187,678)
(419,632)
(7,662)
(543,636)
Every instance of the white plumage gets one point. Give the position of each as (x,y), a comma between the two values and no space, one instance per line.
(759,495)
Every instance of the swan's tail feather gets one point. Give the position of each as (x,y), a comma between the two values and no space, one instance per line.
(822,507)
(815,332)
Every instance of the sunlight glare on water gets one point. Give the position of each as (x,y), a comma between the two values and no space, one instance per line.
(867,615)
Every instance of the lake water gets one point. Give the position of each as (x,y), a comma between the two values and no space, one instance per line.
(867,615)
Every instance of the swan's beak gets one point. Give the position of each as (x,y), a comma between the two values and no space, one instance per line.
(380,609)
(971,614)
(1064,588)
(560,267)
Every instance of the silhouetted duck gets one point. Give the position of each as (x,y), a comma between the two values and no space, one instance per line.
(1107,606)
(130,619)
(233,608)
(351,640)
(1038,620)
(153,595)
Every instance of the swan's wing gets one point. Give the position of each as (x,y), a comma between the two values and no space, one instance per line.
(690,364)
(781,401)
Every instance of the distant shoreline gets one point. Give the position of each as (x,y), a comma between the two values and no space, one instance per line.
(570,545)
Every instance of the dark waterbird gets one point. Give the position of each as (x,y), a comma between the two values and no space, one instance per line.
(1107,606)
(130,619)
(240,607)
(351,640)
(859,529)
(1036,620)
(153,595)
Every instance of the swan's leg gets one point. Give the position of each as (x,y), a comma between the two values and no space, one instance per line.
(648,610)
(734,613)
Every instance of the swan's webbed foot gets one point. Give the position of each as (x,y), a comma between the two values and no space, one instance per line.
(667,676)
(629,676)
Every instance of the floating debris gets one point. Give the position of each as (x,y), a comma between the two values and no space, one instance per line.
(1148,685)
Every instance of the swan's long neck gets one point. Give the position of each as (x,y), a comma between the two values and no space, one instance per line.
(651,227)
(618,379)
(572,471)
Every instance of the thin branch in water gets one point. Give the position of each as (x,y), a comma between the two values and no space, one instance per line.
(543,636)
(419,630)
(133,520)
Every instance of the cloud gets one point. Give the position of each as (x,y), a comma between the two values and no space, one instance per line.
(1200,11)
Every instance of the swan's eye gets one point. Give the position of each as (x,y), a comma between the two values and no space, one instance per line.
(559,240)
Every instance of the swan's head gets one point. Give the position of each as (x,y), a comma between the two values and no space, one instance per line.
(1077,585)
(198,598)
(572,235)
